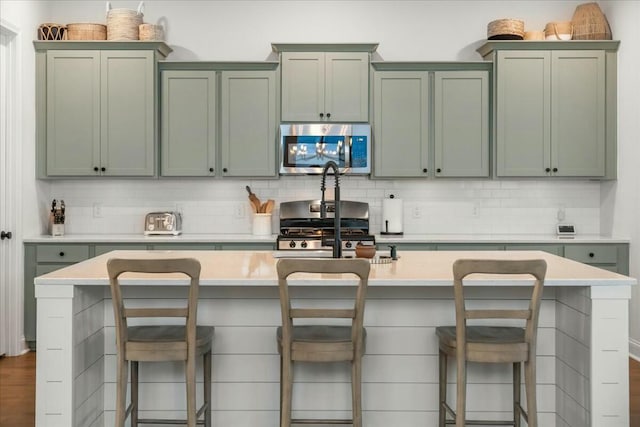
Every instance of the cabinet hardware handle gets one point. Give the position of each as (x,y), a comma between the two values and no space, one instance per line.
(547,170)
(225,170)
(438,170)
(328,115)
(321,115)
(61,254)
(555,169)
(591,254)
(103,169)
(95,168)
(424,170)
(4,235)
(210,169)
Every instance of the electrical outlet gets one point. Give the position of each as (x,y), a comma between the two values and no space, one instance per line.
(476,210)
(97,210)
(561,215)
(417,212)
(240,211)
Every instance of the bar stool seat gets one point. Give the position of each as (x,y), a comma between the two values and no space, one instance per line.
(156,343)
(491,344)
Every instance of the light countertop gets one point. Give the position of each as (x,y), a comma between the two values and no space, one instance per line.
(246,238)
(257,268)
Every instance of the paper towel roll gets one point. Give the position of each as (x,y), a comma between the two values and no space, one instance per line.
(392,215)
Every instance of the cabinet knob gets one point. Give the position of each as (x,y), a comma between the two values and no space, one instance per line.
(5,235)
(438,170)
(547,170)
(210,169)
(61,254)
(328,115)
(103,169)
(225,170)
(555,169)
(321,115)
(424,170)
(95,168)
(591,254)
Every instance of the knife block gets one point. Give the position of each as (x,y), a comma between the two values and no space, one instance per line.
(54,228)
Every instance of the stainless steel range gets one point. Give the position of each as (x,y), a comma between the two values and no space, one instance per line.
(303,228)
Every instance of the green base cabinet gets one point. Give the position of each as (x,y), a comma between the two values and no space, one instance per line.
(96,109)
(554,109)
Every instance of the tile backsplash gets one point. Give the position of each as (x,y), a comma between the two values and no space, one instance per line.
(430,206)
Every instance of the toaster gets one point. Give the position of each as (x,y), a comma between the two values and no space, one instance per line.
(163,223)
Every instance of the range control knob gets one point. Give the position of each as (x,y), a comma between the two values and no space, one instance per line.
(348,245)
(303,244)
(292,244)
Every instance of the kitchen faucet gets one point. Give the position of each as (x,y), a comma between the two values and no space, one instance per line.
(337,241)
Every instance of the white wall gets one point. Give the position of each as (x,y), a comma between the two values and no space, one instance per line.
(621,199)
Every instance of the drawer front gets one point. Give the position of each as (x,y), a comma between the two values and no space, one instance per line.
(48,268)
(185,247)
(62,253)
(103,249)
(470,247)
(552,249)
(592,254)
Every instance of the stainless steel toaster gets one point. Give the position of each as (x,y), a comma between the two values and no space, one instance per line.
(163,223)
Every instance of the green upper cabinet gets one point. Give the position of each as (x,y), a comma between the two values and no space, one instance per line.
(325,86)
(96,108)
(248,123)
(400,123)
(188,137)
(430,122)
(555,108)
(461,124)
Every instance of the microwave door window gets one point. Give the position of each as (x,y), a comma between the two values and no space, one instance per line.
(315,151)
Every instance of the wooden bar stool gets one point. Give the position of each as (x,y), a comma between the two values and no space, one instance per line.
(158,343)
(491,344)
(321,343)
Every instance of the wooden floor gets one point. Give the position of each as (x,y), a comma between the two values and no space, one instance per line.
(18,384)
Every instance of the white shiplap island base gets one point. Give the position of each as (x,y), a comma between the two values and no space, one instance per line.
(582,350)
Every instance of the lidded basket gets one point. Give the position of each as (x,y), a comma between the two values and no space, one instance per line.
(589,23)
(505,29)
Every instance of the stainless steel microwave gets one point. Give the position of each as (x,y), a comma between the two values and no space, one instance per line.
(306,148)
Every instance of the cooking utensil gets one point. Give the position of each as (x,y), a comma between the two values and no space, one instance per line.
(267,207)
(253,199)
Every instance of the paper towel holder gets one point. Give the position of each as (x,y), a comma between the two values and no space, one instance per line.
(385,231)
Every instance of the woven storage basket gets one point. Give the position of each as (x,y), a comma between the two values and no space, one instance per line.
(151,32)
(505,29)
(589,23)
(123,24)
(560,30)
(83,31)
(51,31)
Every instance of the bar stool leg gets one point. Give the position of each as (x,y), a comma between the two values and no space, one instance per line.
(286,385)
(442,395)
(516,394)
(134,393)
(530,387)
(356,391)
(190,371)
(121,392)
(207,388)
(461,392)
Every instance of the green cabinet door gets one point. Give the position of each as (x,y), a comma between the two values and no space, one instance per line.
(100,113)
(127,109)
(73,113)
(248,123)
(523,116)
(578,113)
(325,86)
(401,123)
(188,136)
(461,124)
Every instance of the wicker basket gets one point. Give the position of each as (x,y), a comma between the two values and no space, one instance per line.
(51,31)
(560,30)
(151,32)
(83,31)
(123,24)
(589,23)
(505,29)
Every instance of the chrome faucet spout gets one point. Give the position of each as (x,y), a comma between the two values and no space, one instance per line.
(337,241)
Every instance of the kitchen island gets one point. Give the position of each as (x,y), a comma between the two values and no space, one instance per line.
(582,342)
